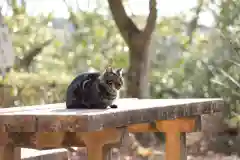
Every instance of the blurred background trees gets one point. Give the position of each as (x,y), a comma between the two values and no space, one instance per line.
(186,58)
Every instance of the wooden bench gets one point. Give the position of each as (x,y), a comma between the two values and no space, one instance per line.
(52,126)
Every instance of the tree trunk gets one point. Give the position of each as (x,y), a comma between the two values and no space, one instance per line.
(138,72)
(138,43)
(6,99)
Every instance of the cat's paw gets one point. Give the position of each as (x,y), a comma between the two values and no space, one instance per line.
(113,106)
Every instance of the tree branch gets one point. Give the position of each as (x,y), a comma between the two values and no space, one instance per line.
(194,22)
(26,61)
(151,20)
(72,17)
(124,23)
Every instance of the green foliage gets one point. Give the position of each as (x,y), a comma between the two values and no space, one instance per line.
(96,40)
(28,35)
(45,65)
(33,41)
(229,14)
(207,68)
(226,79)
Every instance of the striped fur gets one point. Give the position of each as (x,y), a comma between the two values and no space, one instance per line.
(92,90)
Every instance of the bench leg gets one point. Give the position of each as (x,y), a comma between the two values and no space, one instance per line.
(175,146)
(95,152)
(95,142)
(10,152)
(176,136)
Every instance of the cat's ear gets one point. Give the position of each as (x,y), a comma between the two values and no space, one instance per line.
(108,69)
(119,71)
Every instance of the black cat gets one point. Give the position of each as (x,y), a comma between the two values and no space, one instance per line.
(94,91)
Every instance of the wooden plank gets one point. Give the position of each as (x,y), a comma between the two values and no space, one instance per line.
(33,108)
(173,146)
(188,124)
(129,112)
(95,142)
(18,123)
(124,104)
(176,136)
(9,152)
(43,108)
(46,140)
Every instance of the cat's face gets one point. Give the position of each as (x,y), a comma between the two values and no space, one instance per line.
(113,78)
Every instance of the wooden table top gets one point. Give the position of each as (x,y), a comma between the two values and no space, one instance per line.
(55,118)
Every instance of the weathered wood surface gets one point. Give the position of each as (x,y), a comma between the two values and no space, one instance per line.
(48,140)
(55,118)
(52,126)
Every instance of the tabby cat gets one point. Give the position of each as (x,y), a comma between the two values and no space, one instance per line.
(94,90)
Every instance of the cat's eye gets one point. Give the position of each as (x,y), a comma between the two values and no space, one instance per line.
(117,85)
(109,82)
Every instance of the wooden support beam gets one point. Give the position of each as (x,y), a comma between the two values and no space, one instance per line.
(95,142)
(175,146)
(176,136)
(181,124)
(49,139)
(9,152)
